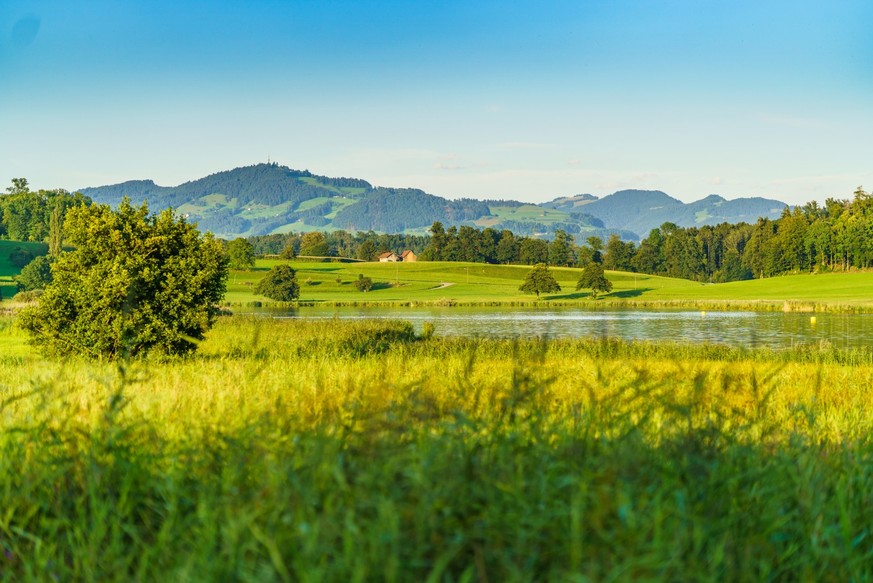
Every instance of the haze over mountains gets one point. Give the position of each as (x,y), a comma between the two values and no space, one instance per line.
(269,198)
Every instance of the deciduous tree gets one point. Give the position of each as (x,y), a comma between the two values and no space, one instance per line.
(314,244)
(279,284)
(594,278)
(135,283)
(241,254)
(35,275)
(539,280)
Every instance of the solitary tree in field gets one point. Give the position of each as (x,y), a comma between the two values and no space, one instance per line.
(539,280)
(363,284)
(279,284)
(241,254)
(594,278)
(134,283)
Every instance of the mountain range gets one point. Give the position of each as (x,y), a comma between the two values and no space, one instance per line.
(269,198)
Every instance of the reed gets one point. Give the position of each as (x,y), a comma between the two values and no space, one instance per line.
(333,450)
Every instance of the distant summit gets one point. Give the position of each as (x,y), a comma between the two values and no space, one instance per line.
(641,211)
(269,198)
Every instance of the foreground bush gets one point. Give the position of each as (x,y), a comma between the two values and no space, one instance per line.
(135,283)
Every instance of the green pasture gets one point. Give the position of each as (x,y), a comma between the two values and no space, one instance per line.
(8,270)
(472,283)
(527,212)
(289,450)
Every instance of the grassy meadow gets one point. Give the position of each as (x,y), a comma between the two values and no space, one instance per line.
(353,451)
(477,283)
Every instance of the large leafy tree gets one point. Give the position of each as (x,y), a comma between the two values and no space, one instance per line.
(314,244)
(539,280)
(241,254)
(279,284)
(135,283)
(594,279)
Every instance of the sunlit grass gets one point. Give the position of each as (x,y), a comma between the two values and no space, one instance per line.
(342,451)
(477,283)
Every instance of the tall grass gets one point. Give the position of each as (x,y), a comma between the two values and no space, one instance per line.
(351,451)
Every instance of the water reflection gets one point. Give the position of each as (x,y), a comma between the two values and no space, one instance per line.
(749,329)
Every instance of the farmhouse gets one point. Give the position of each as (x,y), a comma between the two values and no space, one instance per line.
(408,255)
(389,257)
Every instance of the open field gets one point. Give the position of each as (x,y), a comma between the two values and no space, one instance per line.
(288,450)
(474,283)
(477,283)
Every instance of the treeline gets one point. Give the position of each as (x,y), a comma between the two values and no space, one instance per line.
(30,216)
(835,236)
(361,245)
(489,245)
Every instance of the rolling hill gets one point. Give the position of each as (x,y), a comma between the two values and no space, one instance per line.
(269,198)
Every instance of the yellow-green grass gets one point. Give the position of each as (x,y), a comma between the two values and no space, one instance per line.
(302,451)
(477,283)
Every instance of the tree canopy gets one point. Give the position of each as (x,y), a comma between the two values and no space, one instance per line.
(539,280)
(314,244)
(31,216)
(241,254)
(135,283)
(279,284)
(594,278)
(35,275)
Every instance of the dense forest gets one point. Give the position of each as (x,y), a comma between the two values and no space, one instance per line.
(397,209)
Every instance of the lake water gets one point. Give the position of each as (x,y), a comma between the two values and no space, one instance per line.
(749,329)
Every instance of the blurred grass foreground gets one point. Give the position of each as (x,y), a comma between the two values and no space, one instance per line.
(356,451)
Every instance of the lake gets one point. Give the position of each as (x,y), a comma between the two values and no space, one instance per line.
(749,329)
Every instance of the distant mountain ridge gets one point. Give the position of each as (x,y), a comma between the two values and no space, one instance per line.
(641,211)
(269,198)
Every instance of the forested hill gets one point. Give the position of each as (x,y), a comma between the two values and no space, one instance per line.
(641,211)
(269,198)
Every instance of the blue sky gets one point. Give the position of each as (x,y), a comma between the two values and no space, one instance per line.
(503,99)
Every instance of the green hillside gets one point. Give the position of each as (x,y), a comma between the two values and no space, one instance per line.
(268,198)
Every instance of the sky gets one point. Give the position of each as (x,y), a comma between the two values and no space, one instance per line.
(461,98)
